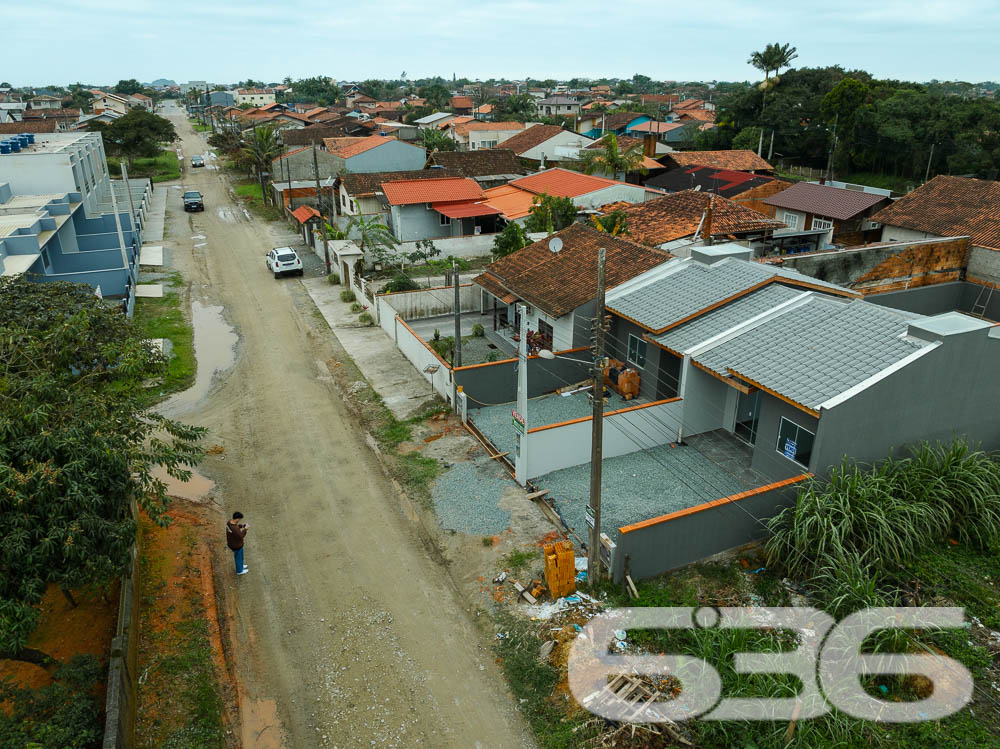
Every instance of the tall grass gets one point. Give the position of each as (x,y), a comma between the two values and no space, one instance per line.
(846,534)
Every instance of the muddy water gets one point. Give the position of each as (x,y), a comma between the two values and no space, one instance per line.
(215,351)
(195,488)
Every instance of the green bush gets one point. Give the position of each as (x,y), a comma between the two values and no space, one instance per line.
(66,713)
(333,278)
(366,319)
(478,331)
(401,282)
(356,307)
(493,356)
(347,296)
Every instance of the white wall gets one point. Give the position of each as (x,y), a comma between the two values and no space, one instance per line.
(422,357)
(779,213)
(898,233)
(415,305)
(474,246)
(638,429)
(705,400)
(611,194)
(548,148)
(477,137)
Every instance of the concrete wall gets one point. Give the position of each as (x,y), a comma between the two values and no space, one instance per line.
(392,156)
(687,536)
(496,382)
(984,266)
(548,148)
(415,305)
(879,268)
(767,461)
(653,384)
(422,357)
(938,298)
(300,166)
(474,245)
(612,194)
(627,431)
(705,398)
(411,223)
(951,391)
(477,138)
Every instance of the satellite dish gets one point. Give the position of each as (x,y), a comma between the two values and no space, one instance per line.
(555,244)
(697,188)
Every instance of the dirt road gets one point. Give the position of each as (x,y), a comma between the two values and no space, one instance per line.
(345,632)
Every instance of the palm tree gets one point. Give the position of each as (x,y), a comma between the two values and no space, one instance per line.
(611,160)
(774,57)
(438,140)
(374,234)
(260,149)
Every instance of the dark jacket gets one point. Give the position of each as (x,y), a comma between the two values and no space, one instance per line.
(235,535)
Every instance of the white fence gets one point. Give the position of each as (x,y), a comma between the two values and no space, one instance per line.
(416,305)
(479,245)
(625,431)
(432,367)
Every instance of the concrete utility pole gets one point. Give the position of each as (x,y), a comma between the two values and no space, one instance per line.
(597,434)
(833,148)
(319,205)
(927,173)
(770,149)
(520,417)
(458,318)
(760,142)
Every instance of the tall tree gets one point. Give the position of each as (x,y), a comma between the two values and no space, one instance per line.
(138,133)
(260,149)
(437,140)
(437,96)
(520,107)
(78,445)
(611,160)
(375,236)
(772,59)
(550,213)
(129,86)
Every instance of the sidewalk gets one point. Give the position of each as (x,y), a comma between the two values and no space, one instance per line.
(403,389)
(153,231)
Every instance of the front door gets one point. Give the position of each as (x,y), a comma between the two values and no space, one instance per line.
(747,414)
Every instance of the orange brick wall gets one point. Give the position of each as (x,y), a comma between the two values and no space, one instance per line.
(754,199)
(919,265)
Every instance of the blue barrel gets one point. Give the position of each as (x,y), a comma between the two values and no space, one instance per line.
(15,145)
(4,147)
(31,138)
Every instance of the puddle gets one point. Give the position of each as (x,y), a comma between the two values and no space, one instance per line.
(199,236)
(205,244)
(195,489)
(214,349)
(227,214)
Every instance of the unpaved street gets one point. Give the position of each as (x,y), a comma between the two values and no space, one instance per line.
(345,631)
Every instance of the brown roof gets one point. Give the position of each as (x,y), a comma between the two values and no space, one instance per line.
(28,126)
(482,163)
(950,207)
(740,160)
(824,200)
(702,115)
(358,184)
(314,133)
(679,214)
(531,137)
(333,145)
(616,120)
(625,142)
(462,102)
(558,283)
(464,128)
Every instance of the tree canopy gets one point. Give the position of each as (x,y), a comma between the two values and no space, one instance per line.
(550,213)
(77,445)
(138,133)
(129,86)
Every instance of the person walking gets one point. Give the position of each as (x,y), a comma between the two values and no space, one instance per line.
(235,533)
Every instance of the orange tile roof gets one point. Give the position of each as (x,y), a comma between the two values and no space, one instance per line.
(563,183)
(679,214)
(362,145)
(461,102)
(511,202)
(444,189)
(332,145)
(739,160)
(297,150)
(464,128)
(485,109)
(313,112)
(305,212)
(558,283)
(655,127)
(533,136)
(456,121)
(701,115)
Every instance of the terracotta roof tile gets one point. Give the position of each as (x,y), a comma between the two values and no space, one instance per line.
(740,160)
(436,190)
(824,200)
(482,163)
(616,120)
(533,136)
(465,128)
(333,145)
(289,153)
(461,102)
(511,202)
(563,183)
(558,283)
(366,183)
(625,142)
(701,115)
(361,145)
(305,212)
(656,127)
(678,215)
(950,207)
(28,126)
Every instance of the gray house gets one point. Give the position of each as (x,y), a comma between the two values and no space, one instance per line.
(377,153)
(801,373)
(437,208)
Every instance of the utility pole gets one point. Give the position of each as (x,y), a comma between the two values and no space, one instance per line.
(760,142)
(597,434)
(520,417)
(833,148)
(319,204)
(456,356)
(770,149)
(927,173)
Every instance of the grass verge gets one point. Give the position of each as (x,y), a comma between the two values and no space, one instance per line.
(162,168)
(249,194)
(164,318)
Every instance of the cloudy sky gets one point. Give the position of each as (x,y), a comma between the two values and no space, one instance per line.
(101,41)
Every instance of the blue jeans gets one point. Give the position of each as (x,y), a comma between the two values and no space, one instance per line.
(238,556)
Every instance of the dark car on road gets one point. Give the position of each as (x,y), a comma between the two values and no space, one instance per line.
(193,201)
(197,161)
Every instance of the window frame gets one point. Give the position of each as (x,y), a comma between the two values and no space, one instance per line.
(444,220)
(788,215)
(643,351)
(798,428)
(827,223)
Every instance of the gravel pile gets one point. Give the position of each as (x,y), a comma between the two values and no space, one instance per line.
(467,498)
(495,421)
(639,486)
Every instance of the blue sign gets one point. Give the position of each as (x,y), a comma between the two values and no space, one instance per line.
(790,448)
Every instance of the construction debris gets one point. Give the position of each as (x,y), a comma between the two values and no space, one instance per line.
(560,568)
(215,450)
(522,591)
(638,696)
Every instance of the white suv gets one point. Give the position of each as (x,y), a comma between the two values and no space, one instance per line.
(282,260)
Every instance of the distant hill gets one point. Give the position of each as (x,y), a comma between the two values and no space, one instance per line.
(160,82)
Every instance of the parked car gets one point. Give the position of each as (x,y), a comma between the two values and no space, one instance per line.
(197,161)
(193,201)
(283,260)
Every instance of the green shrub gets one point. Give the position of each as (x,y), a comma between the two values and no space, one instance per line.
(493,356)
(333,278)
(443,346)
(478,330)
(401,282)
(347,296)
(366,319)
(356,307)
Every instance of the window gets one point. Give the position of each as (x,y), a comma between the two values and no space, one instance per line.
(792,219)
(343,200)
(636,351)
(45,258)
(822,223)
(545,331)
(352,207)
(794,442)
(445,221)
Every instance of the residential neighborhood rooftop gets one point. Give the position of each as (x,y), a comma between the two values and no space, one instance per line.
(739,160)
(533,136)
(950,206)
(435,190)
(562,183)
(725,182)
(824,200)
(482,163)
(367,183)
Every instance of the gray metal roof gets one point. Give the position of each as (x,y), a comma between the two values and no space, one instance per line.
(722,319)
(818,350)
(696,286)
